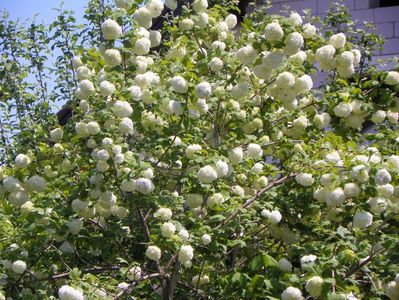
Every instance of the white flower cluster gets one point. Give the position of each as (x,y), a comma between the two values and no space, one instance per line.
(207,174)
(293,43)
(18,267)
(325,57)
(111,30)
(284,265)
(56,134)
(246,55)
(179,84)
(308,262)
(392,78)
(274,32)
(144,15)
(273,217)
(67,292)
(122,109)
(163,213)
(22,161)
(314,286)
(186,253)
(153,253)
(191,150)
(292,293)
(215,200)
(144,185)
(304,179)
(168,229)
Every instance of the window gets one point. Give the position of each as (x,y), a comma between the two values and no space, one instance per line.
(385,3)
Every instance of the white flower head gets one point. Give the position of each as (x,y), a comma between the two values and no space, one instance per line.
(112,57)
(296,18)
(274,32)
(309,30)
(19,267)
(255,151)
(184,235)
(56,134)
(179,84)
(382,177)
(338,40)
(191,150)
(22,161)
(67,292)
(186,253)
(163,213)
(343,109)
(362,219)
(153,253)
(231,21)
(314,286)
(206,239)
(335,197)
(122,109)
(126,126)
(107,88)
(284,265)
(143,16)
(200,5)
(135,273)
(292,293)
(203,90)
(246,55)
(111,30)
(155,7)
(186,24)
(308,261)
(293,43)
(221,168)
(236,155)
(392,78)
(303,84)
(215,200)
(285,80)
(144,185)
(304,179)
(168,229)
(142,46)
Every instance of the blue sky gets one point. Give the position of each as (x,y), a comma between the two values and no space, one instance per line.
(24,9)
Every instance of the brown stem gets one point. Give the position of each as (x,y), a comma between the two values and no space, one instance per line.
(170,283)
(253,199)
(148,235)
(88,270)
(363,263)
(130,287)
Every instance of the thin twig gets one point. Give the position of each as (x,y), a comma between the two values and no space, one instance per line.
(131,285)
(253,199)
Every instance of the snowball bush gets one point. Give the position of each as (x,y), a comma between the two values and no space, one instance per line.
(201,161)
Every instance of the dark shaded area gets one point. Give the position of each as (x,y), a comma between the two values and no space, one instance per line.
(386,3)
(64,115)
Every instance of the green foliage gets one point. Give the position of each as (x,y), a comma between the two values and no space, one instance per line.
(84,204)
